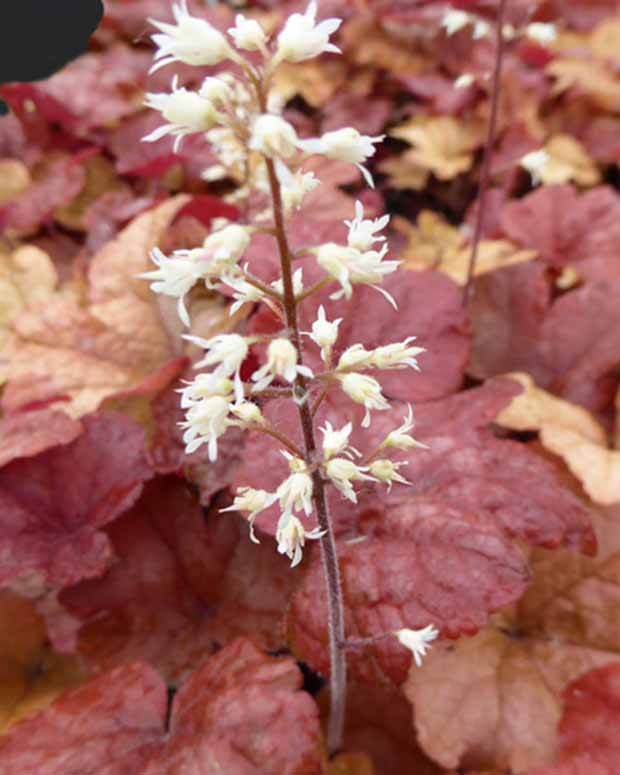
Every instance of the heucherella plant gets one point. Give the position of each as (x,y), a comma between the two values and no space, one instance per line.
(260,150)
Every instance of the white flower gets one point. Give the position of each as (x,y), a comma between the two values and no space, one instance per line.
(356,356)
(362,231)
(324,333)
(244,293)
(455,20)
(535,163)
(216,90)
(342,472)
(347,145)
(295,186)
(191,40)
(298,284)
(227,352)
(185,111)
(541,33)
(254,501)
(291,537)
(397,355)
(281,362)
(248,413)
(205,422)
(337,442)
(273,136)
(248,34)
(400,438)
(464,81)
(386,471)
(295,492)
(481,29)
(302,38)
(204,386)
(176,275)
(226,246)
(349,265)
(363,390)
(417,641)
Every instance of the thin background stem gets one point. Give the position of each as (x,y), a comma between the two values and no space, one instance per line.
(488,150)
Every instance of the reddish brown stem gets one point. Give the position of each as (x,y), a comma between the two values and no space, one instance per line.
(485,171)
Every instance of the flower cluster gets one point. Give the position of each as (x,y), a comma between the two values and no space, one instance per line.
(260,151)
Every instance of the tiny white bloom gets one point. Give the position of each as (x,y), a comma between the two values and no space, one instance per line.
(244,293)
(205,422)
(248,413)
(205,385)
(362,231)
(281,362)
(386,471)
(482,28)
(226,246)
(191,40)
(248,34)
(185,111)
(324,332)
(254,501)
(400,437)
(356,356)
(291,537)
(464,81)
(294,186)
(298,284)
(217,90)
(363,390)
(455,20)
(302,38)
(273,136)
(347,145)
(535,163)
(227,352)
(176,275)
(397,355)
(342,472)
(336,442)
(541,33)
(295,492)
(417,641)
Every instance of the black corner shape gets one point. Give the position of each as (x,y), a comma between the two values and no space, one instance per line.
(39,37)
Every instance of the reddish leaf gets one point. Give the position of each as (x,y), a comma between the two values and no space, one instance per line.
(54,503)
(205,208)
(59,183)
(24,434)
(425,564)
(107,727)
(38,125)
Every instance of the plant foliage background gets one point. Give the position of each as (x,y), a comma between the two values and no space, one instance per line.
(139,629)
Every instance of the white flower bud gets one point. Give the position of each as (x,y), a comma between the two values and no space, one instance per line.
(362,231)
(191,40)
(342,472)
(226,246)
(324,333)
(295,492)
(248,34)
(355,356)
(400,438)
(281,362)
(176,275)
(273,136)
(204,386)
(337,442)
(397,355)
(291,537)
(216,90)
(248,412)
(254,501)
(464,81)
(455,20)
(302,38)
(386,471)
(205,422)
(363,390)
(227,352)
(345,144)
(417,641)
(294,186)
(298,285)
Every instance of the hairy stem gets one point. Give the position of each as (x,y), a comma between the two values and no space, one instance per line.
(338,678)
(488,150)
